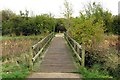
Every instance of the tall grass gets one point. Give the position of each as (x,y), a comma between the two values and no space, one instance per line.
(16,55)
(107,55)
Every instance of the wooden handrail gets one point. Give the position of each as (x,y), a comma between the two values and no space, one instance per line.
(77,48)
(39,47)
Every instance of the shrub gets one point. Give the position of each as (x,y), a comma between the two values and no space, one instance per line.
(93,73)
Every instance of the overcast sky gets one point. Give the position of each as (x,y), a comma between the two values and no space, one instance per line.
(54,6)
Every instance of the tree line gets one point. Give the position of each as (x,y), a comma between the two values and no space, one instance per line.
(13,24)
(16,25)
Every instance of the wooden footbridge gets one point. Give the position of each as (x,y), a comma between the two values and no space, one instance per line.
(56,57)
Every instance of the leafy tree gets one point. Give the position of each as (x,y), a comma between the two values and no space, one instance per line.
(68,13)
(60,25)
(7,15)
(45,22)
(116,25)
(88,29)
(24,25)
(100,14)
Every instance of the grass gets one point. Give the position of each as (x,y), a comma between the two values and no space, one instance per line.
(16,67)
(16,58)
(18,44)
(92,74)
(20,37)
(14,71)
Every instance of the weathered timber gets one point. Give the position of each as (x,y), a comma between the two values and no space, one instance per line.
(39,47)
(77,48)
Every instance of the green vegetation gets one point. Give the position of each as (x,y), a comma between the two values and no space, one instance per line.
(23,37)
(16,55)
(93,29)
(23,25)
(96,29)
(93,73)
(14,71)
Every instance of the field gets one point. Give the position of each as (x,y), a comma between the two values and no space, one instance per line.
(16,55)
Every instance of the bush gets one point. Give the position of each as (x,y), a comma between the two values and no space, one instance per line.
(13,24)
(105,55)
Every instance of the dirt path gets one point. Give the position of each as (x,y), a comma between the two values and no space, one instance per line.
(57,61)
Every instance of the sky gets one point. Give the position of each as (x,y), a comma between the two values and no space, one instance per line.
(37,7)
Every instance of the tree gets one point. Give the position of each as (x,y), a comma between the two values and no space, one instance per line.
(45,23)
(60,25)
(7,25)
(87,30)
(68,13)
(116,25)
(100,14)
(7,14)
(22,24)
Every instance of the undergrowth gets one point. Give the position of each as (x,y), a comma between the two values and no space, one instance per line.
(16,65)
(93,74)
(12,71)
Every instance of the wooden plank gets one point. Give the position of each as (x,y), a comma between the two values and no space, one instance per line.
(58,57)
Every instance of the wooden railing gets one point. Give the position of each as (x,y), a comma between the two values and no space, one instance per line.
(38,48)
(77,48)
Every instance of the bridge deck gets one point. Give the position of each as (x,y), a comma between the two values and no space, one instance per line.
(58,62)
(57,57)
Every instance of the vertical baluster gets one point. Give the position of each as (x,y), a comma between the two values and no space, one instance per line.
(74,45)
(78,50)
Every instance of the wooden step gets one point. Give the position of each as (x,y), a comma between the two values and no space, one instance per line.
(56,75)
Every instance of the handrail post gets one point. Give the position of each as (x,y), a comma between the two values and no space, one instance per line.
(83,56)
(36,53)
(78,49)
(31,56)
(74,45)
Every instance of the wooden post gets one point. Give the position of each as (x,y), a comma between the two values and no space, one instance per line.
(78,50)
(74,45)
(30,58)
(83,56)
